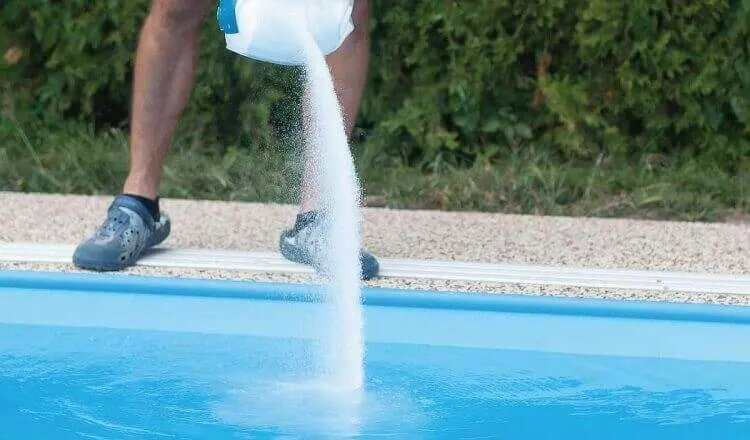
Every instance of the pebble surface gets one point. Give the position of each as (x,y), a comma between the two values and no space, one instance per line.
(456,236)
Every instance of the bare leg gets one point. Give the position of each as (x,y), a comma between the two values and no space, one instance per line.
(349,66)
(164,75)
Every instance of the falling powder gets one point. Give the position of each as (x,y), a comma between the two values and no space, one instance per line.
(333,170)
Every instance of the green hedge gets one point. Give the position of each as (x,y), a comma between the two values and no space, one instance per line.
(450,81)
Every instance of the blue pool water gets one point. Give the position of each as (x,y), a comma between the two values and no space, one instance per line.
(97,358)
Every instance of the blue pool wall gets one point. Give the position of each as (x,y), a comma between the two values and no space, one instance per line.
(693,332)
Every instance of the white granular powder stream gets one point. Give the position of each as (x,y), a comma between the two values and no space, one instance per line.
(334,172)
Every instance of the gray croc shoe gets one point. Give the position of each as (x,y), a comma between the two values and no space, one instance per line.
(303,244)
(120,241)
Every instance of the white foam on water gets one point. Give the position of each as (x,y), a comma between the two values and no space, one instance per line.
(308,407)
(335,175)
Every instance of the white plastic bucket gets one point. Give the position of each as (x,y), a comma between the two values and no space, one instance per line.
(268,30)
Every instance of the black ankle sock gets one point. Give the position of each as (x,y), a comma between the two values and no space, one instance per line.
(150,204)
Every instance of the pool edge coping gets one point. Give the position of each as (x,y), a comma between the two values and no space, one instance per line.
(372,296)
(271,262)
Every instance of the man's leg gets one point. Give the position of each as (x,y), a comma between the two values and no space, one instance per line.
(163,79)
(349,68)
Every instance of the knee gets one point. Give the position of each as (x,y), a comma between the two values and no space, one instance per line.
(179,15)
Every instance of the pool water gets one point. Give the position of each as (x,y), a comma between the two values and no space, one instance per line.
(141,372)
(83,383)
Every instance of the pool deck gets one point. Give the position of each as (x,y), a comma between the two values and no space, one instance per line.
(499,239)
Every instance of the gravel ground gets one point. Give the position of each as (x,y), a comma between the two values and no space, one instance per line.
(478,237)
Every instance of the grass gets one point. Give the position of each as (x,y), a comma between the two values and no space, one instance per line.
(71,158)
